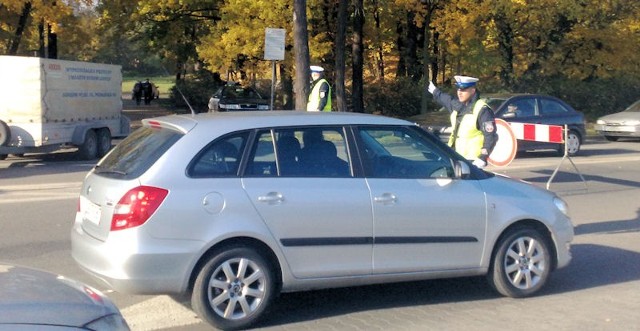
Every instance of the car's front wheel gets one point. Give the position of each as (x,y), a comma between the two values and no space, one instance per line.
(521,264)
(573,144)
(233,289)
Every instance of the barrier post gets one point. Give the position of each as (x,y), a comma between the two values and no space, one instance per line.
(566,156)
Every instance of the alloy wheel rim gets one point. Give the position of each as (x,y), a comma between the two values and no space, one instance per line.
(236,288)
(525,263)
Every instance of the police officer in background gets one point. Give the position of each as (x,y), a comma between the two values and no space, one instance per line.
(474,126)
(320,95)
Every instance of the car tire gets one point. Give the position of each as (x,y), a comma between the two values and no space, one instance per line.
(5,134)
(89,148)
(104,141)
(233,289)
(573,144)
(611,138)
(521,263)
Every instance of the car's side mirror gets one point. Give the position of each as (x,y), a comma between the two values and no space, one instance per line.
(461,169)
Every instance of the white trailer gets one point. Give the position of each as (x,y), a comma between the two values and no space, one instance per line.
(47,105)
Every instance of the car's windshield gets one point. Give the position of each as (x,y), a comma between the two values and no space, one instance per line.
(635,107)
(240,92)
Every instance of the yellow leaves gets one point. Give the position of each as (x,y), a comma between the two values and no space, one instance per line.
(241,30)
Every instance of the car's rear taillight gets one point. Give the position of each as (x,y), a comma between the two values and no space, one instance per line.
(136,206)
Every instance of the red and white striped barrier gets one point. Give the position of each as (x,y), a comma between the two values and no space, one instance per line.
(538,132)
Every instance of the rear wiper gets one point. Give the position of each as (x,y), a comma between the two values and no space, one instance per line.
(100,170)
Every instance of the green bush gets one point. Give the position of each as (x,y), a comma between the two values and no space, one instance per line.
(196,89)
(399,98)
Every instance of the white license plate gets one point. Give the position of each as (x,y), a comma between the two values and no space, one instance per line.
(92,212)
(620,128)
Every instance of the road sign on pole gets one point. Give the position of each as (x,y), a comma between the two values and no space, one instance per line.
(274,51)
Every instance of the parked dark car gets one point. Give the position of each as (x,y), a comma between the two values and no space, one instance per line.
(32,299)
(625,124)
(536,109)
(233,97)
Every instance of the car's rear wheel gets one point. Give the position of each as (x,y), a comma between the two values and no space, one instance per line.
(89,148)
(521,264)
(233,289)
(5,133)
(611,138)
(573,144)
(104,141)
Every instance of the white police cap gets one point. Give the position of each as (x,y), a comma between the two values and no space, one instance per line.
(465,81)
(316,69)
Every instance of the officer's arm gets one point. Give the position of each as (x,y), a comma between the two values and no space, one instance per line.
(324,95)
(447,101)
(487,124)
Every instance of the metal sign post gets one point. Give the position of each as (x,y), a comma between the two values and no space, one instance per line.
(274,51)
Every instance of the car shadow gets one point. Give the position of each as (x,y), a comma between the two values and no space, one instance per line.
(592,266)
(63,162)
(582,153)
(573,177)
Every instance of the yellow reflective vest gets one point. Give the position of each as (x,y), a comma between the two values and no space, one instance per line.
(314,97)
(469,139)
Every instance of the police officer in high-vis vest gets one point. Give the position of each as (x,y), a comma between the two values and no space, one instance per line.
(474,126)
(320,95)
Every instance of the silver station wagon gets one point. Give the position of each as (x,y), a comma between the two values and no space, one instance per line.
(234,208)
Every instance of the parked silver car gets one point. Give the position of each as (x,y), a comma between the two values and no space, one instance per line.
(236,207)
(32,299)
(625,124)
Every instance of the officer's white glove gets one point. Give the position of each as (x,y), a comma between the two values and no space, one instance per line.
(431,87)
(479,163)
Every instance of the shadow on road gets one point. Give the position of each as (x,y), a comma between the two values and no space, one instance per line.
(573,177)
(63,162)
(592,266)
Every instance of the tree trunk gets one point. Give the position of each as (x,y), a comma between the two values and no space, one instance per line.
(13,46)
(380,50)
(287,88)
(358,57)
(413,68)
(401,70)
(42,51)
(301,50)
(426,60)
(339,87)
(505,46)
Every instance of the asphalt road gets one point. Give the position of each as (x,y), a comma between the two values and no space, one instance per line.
(599,290)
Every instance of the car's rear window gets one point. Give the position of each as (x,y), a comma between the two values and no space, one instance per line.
(135,154)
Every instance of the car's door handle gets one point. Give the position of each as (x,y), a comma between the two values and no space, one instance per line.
(271,198)
(386,198)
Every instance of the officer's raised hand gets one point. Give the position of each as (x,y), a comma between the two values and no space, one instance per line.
(431,87)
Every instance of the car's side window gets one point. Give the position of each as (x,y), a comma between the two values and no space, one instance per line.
(219,159)
(522,108)
(300,152)
(323,152)
(400,152)
(551,107)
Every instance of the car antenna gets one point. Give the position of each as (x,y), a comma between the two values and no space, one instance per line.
(193,112)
